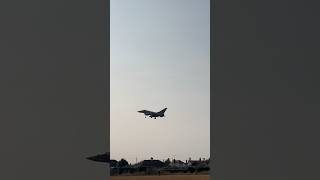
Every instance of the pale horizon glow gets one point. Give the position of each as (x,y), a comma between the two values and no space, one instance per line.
(160,57)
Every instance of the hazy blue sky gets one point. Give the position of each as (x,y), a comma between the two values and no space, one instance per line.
(160,57)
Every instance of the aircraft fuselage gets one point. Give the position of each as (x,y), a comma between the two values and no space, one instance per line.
(153,114)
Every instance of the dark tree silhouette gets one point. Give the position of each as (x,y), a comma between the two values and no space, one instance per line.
(123,163)
(113,163)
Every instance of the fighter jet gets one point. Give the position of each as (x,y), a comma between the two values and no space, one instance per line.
(101,157)
(153,114)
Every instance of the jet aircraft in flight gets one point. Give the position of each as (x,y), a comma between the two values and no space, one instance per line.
(153,114)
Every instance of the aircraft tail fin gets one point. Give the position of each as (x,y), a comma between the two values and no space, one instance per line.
(163,110)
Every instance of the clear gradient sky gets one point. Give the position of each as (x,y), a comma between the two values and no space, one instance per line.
(160,57)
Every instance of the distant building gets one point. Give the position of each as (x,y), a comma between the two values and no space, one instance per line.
(178,164)
(200,162)
(150,166)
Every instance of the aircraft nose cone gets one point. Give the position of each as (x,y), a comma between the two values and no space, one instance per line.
(140,111)
(100,158)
